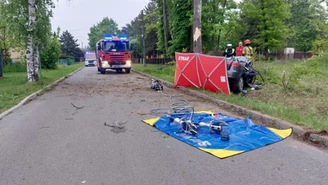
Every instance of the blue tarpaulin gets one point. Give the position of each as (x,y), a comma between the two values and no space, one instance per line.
(244,134)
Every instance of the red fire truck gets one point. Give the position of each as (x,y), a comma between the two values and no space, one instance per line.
(113,53)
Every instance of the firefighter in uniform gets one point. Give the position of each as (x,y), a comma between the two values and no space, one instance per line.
(229,52)
(248,50)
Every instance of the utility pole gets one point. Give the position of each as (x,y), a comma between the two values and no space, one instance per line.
(143,38)
(165,27)
(197,27)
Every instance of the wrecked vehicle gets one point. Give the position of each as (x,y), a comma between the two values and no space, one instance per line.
(241,74)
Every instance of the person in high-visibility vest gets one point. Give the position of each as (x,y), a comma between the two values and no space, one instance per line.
(229,52)
(248,50)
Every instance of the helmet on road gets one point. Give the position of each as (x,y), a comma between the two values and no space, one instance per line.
(247,41)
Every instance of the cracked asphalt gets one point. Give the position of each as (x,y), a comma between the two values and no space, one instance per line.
(89,130)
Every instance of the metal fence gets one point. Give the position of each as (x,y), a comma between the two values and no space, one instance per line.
(66,61)
(296,55)
(152,60)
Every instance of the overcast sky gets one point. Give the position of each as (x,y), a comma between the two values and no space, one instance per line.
(77,16)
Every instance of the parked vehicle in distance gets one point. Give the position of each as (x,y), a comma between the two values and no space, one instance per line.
(90,58)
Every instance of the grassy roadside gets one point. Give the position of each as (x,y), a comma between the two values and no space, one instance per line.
(301,99)
(13,87)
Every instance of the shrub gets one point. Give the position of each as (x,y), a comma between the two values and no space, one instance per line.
(50,54)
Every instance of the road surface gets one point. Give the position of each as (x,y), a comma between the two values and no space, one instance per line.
(49,141)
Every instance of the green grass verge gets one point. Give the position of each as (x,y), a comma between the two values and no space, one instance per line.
(13,86)
(302,102)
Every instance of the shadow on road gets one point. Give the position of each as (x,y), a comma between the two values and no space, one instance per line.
(111,72)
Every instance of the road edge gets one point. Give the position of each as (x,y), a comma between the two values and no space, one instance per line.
(37,93)
(274,122)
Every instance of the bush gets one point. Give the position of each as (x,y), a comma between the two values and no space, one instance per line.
(172,63)
(50,54)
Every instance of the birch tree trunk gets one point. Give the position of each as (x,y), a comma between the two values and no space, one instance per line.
(31,55)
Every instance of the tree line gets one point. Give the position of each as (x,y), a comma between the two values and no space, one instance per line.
(167,26)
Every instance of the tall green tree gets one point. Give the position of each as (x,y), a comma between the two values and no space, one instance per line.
(216,17)
(30,27)
(306,23)
(134,30)
(69,46)
(181,20)
(231,30)
(104,27)
(265,22)
(151,18)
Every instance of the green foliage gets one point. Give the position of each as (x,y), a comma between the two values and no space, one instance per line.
(181,26)
(172,63)
(218,24)
(160,27)
(267,18)
(50,54)
(306,24)
(150,20)
(69,46)
(16,13)
(104,27)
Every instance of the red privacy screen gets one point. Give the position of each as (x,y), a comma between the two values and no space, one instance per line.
(201,71)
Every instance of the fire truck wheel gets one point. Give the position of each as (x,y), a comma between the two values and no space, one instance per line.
(102,71)
(127,70)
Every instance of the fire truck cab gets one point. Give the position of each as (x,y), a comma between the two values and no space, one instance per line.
(113,53)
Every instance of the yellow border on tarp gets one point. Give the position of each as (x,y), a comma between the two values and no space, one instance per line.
(204,111)
(282,133)
(152,121)
(220,153)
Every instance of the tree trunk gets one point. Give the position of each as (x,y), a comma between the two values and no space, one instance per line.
(197,27)
(32,62)
(165,28)
(143,38)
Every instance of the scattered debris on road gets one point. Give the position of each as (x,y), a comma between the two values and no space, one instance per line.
(117,127)
(77,107)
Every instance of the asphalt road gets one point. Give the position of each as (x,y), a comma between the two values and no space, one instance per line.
(49,141)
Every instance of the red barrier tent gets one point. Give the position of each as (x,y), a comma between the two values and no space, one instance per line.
(201,71)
